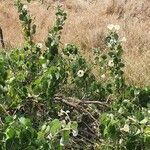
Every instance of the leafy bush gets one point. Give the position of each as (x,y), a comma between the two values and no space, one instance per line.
(50,99)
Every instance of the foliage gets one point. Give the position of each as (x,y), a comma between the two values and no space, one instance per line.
(50,99)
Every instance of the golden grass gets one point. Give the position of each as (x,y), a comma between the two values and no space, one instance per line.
(87,27)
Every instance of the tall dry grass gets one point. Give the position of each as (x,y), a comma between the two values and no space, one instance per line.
(87,27)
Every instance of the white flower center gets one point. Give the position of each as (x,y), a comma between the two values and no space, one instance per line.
(80,73)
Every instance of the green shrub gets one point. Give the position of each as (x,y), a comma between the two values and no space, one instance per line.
(50,99)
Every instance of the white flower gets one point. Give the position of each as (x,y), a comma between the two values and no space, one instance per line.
(1,87)
(120,141)
(44,66)
(94,127)
(67,111)
(5,89)
(67,117)
(80,73)
(125,128)
(138,132)
(75,133)
(11,79)
(120,110)
(25,7)
(109,45)
(47,61)
(39,45)
(111,63)
(112,41)
(41,57)
(63,123)
(110,26)
(49,136)
(72,57)
(61,112)
(113,27)
(103,76)
(123,39)
(61,142)
(111,116)
(126,101)
(97,90)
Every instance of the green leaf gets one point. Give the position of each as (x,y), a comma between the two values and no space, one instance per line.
(74,125)
(9,119)
(55,126)
(25,136)
(116,36)
(10,133)
(25,121)
(41,135)
(12,144)
(21,17)
(47,130)
(122,65)
(111,54)
(105,132)
(104,56)
(33,31)
(147,131)
(66,136)
(43,127)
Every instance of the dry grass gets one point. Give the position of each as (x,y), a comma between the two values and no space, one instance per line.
(86,26)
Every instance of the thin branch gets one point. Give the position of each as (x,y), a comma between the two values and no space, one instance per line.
(94,102)
(75,102)
(61,99)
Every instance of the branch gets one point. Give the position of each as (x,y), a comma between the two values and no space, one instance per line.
(64,100)
(94,102)
(76,102)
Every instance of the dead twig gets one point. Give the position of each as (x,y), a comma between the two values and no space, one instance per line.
(94,102)
(1,38)
(61,99)
(76,102)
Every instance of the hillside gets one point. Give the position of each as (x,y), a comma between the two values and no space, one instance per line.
(87,26)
